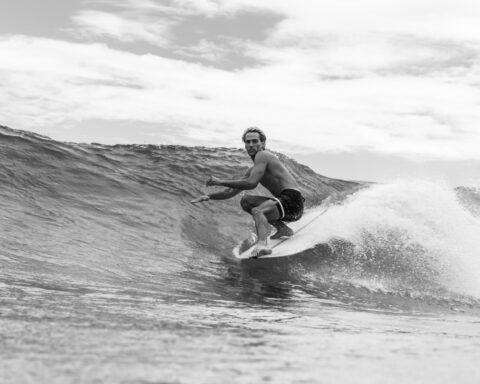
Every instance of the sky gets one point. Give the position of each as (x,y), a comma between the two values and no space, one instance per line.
(357,89)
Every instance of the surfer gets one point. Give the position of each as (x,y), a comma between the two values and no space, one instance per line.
(286,205)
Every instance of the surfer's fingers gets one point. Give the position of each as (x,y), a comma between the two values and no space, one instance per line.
(200,199)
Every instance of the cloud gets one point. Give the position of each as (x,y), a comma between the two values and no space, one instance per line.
(196,31)
(96,23)
(330,77)
(343,39)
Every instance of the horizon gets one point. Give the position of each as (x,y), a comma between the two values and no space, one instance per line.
(359,90)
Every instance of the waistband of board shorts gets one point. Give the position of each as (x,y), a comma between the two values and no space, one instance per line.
(280,207)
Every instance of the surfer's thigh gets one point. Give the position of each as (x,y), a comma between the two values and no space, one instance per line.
(269,208)
(249,202)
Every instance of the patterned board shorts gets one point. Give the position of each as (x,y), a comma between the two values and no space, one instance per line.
(290,205)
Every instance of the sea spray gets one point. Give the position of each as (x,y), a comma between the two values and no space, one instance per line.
(408,234)
(469,195)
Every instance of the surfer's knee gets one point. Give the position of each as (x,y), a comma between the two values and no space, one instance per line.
(256,211)
(261,210)
(246,204)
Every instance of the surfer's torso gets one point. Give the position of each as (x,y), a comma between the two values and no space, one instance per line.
(276,177)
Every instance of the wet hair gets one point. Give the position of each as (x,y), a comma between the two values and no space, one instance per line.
(261,134)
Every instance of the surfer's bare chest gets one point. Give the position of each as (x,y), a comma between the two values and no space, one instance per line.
(275,178)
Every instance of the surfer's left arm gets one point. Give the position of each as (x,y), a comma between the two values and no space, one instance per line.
(254,176)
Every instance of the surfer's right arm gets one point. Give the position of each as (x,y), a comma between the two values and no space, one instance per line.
(221,195)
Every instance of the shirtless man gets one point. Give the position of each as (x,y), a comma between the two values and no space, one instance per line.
(287,203)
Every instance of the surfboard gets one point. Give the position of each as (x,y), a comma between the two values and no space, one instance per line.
(300,241)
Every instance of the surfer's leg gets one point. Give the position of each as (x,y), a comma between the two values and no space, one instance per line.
(249,202)
(255,205)
(291,202)
(283,230)
(265,212)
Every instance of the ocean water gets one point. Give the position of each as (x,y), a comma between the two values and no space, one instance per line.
(109,275)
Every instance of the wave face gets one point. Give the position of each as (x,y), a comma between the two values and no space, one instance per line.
(91,217)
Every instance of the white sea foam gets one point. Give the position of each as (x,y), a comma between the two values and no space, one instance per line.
(417,228)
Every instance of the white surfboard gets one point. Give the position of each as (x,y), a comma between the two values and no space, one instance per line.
(300,241)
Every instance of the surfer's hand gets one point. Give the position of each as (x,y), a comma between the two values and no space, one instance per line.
(200,199)
(213,181)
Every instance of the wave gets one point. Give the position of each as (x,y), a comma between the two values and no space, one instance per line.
(91,215)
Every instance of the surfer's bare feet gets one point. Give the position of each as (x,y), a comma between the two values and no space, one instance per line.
(260,250)
(282,232)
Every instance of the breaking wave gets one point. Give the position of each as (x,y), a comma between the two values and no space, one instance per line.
(90,216)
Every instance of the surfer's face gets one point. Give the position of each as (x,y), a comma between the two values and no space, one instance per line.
(253,144)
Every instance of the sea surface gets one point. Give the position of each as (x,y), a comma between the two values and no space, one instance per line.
(109,275)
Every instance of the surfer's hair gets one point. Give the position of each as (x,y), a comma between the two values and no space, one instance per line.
(261,134)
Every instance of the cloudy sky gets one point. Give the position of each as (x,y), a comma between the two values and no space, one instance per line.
(358,89)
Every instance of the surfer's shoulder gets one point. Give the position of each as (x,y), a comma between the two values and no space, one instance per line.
(265,156)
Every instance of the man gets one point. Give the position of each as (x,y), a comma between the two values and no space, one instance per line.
(287,203)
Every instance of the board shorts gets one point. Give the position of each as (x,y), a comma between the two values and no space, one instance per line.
(290,204)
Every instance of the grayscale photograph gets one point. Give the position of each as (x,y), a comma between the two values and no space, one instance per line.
(239,192)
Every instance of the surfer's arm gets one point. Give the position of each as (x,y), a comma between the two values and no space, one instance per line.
(251,179)
(221,195)
(225,194)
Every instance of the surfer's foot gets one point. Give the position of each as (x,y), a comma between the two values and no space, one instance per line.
(260,250)
(282,232)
